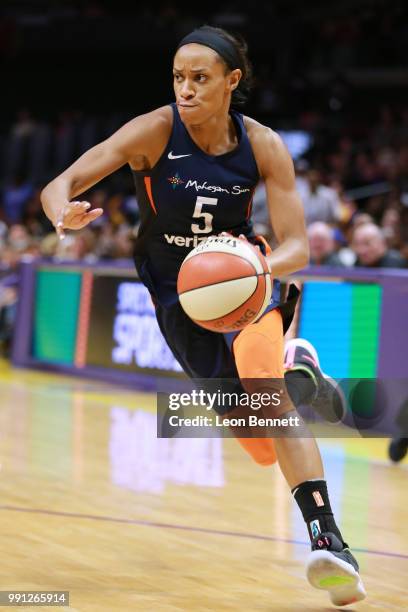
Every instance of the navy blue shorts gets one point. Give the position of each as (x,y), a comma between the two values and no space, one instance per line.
(201,352)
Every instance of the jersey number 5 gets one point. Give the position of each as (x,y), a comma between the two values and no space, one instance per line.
(206,216)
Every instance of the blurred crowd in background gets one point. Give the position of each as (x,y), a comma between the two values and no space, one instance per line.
(337,75)
(354,193)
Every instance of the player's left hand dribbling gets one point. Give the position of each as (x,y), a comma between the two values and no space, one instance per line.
(75,216)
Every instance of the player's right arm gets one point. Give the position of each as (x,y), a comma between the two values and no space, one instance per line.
(139,143)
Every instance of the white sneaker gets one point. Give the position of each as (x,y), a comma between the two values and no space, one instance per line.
(333,568)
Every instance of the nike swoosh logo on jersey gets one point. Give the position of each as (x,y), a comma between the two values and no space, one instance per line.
(171,156)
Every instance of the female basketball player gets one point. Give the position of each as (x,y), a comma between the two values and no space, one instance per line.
(196,164)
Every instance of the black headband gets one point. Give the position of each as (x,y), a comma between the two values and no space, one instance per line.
(217,43)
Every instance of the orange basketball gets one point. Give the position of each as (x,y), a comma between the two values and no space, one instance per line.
(224,284)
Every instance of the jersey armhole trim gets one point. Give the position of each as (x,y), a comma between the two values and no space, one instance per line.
(249,209)
(148,185)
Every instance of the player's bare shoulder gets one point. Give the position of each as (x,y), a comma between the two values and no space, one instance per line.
(147,136)
(158,121)
(267,145)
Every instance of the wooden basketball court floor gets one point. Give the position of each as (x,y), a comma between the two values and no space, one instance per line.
(94,504)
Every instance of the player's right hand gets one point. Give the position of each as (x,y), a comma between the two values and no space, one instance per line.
(75,216)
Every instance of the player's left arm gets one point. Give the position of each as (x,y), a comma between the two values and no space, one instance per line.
(284,203)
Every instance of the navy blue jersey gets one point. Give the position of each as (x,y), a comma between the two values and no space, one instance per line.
(188,196)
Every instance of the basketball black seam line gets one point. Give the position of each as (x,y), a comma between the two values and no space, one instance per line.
(224,253)
(226,281)
(232,311)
